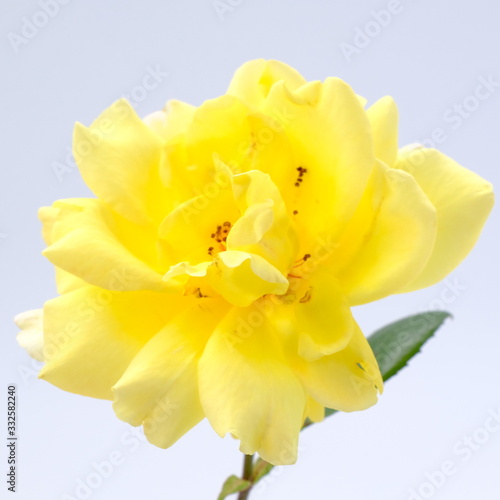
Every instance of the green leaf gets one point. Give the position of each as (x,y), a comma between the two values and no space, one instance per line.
(261,469)
(395,344)
(232,485)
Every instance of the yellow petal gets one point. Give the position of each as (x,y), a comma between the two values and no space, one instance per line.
(323,319)
(383,116)
(243,140)
(328,179)
(48,217)
(171,125)
(190,232)
(220,126)
(159,389)
(253,80)
(268,148)
(251,227)
(348,380)
(184,270)
(31,335)
(315,411)
(118,157)
(462,200)
(171,121)
(265,228)
(91,335)
(85,246)
(389,240)
(66,282)
(247,389)
(242,278)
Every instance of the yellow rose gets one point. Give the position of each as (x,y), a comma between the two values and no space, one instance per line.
(214,273)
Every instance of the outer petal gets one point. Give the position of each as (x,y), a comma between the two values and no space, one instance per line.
(119,157)
(252,81)
(91,335)
(383,116)
(85,246)
(171,121)
(328,179)
(65,282)
(31,335)
(241,278)
(348,380)
(48,217)
(315,411)
(462,200)
(159,389)
(248,389)
(389,240)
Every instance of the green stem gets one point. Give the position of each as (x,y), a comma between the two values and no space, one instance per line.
(247,474)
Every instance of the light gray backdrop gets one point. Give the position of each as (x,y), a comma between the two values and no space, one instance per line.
(72,62)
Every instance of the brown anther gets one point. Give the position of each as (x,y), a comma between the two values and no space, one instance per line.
(306,297)
(222,232)
(297,184)
(307,256)
(295,212)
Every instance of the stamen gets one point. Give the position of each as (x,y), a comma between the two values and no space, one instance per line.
(307,296)
(299,179)
(198,294)
(299,262)
(220,235)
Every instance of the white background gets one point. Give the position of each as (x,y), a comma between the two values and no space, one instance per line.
(429,56)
